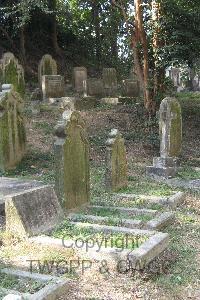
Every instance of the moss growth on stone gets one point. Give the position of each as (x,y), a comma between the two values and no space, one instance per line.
(72,161)
(12,130)
(12,76)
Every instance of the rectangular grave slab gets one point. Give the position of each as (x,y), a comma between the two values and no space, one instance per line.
(139,258)
(158,221)
(171,201)
(32,212)
(54,288)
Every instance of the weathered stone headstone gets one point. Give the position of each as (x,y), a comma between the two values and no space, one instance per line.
(95,87)
(72,161)
(79,76)
(116,163)
(47,66)
(170,129)
(32,212)
(12,129)
(11,72)
(110,81)
(130,88)
(53,86)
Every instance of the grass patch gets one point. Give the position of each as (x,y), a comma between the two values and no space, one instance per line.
(189,173)
(22,285)
(35,165)
(113,214)
(69,231)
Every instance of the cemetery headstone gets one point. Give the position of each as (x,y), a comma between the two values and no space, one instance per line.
(130,88)
(72,161)
(170,129)
(52,86)
(33,211)
(110,81)
(12,129)
(79,76)
(116,162)
(95,87)
(47,66)
(11,72)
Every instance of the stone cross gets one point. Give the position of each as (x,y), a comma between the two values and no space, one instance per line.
(170,128)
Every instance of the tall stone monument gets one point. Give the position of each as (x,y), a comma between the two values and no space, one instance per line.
(12,129)
(11,72)
(116,163)
(47,66)
(79,77)
(72,161)
(170,130)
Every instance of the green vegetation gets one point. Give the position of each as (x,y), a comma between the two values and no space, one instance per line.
(22,285)
(73,232)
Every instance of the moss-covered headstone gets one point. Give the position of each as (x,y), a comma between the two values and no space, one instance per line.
(170,130)
(116,163)
(72,161)
(12,129)
(47,66)
(11,72)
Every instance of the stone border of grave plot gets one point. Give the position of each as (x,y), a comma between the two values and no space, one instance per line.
(156,243)
(160,221)
(172,201)
(56,288)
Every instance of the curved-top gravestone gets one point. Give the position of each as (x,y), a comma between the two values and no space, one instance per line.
(72,160)
(47,66)
(12,129)
(11,72)
(170,130)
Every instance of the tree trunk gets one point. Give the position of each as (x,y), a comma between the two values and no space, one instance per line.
(22,46)
(95,9)
(53,26)
(141,38)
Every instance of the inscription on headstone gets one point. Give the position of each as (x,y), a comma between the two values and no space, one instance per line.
(52,86)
